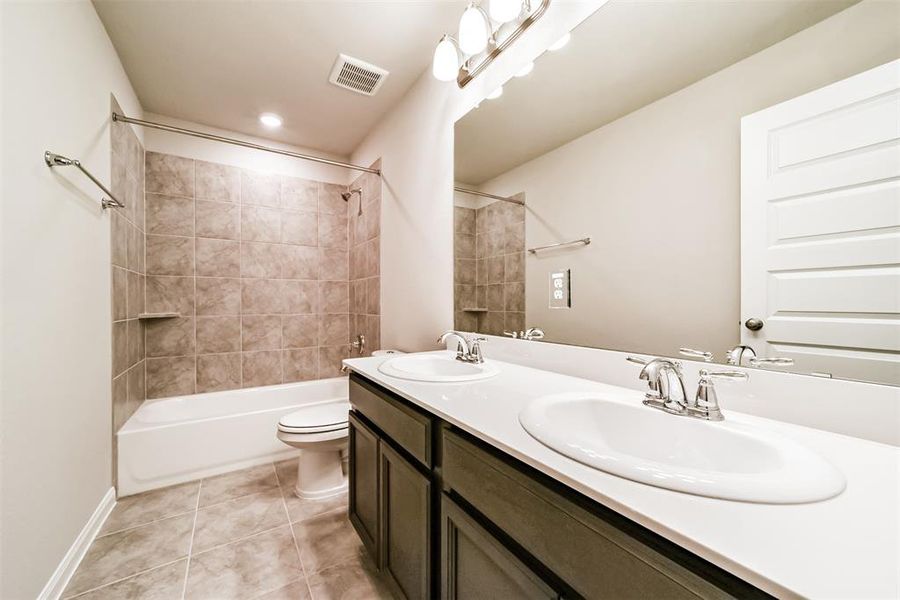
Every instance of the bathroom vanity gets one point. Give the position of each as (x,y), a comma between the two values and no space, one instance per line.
(453,499)
(445,515)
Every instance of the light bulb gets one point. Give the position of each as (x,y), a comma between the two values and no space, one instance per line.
(560,42)
(473,31)
(445,65)
(525,70)
(495,94)
(502,11)
(270,120)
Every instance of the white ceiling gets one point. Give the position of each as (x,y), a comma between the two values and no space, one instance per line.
(221,63)
(625,56)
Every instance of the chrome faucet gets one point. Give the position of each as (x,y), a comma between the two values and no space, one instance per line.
(664,378)
(532,333)
(735,356)
(467,350)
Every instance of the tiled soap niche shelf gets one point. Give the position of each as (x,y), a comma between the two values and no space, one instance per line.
(475,310)
(159,315)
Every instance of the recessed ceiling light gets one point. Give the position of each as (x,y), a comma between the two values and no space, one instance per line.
(270,120)
(495,94)
(525,70)
(560,42)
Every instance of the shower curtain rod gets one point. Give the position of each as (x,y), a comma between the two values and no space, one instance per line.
(235,142)
(486,195)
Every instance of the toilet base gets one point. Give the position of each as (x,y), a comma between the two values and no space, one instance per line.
(320,475)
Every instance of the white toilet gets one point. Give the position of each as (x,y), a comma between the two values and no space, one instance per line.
(320,432)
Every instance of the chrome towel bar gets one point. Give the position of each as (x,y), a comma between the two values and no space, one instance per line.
(537,249)
(57,160)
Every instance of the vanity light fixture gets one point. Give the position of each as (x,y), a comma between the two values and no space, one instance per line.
(474,30)
(270,120)
(560,42)
(483,36)
(525,70)
(445,65)
(504,11)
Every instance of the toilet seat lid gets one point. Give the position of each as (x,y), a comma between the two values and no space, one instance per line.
(318,418)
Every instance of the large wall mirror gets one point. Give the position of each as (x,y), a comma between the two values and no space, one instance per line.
(718,176)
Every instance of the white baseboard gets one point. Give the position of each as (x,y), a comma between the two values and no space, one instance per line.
(60,578)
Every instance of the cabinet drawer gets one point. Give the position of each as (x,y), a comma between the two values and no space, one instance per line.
(592,556)
(407,427)
(475,565)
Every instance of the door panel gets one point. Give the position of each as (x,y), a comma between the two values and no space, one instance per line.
(820,228)
(364,483)
(475,566)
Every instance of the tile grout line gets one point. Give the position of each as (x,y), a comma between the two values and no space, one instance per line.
(291,525)
(187,567)
(121,579)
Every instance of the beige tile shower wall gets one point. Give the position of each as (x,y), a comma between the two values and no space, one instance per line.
(365,261)
(464,270)
(489,273)
(257,266)
(128,273)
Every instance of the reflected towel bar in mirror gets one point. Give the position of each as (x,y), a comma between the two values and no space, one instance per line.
(57,160)
(537,249)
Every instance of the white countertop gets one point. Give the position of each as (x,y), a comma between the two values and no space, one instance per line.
(845,547)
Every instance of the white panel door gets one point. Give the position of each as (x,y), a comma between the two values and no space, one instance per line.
(820,228)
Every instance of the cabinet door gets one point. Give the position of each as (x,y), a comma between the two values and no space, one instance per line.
(474,565)
(405,525)
(364,483)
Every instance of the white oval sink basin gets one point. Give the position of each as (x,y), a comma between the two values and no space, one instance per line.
(722,459)
(438,368)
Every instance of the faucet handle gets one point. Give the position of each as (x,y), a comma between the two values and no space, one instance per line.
(738,375)
(706,402)
(637,360)
(534,333)
(706,356)
(513,334)
(776,361)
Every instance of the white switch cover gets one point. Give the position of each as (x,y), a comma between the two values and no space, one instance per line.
(561,288)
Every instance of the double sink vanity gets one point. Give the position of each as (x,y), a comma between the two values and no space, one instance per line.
(483,478)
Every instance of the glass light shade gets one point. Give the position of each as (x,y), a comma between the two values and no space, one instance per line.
(560,42)
(473,31)
(445,65)
(502,11)
(525,70)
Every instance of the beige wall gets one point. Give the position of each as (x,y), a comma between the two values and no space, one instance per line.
(658,191)
(58,69)
(415,143)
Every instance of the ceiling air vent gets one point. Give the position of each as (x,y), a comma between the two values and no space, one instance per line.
(357,75)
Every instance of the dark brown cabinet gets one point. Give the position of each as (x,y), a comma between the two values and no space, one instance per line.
(475,565)
(502,530)
(405,525)
(363,476)
(391,488)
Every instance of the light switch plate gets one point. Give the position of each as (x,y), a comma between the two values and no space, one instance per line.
(561,288)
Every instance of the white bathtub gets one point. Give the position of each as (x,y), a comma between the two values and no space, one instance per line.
(173,440)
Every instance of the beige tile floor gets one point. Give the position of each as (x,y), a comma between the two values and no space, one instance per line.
(239,535)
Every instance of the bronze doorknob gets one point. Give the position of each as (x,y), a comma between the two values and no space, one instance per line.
(753,324)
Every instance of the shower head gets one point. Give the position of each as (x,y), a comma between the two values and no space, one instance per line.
(347,195)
